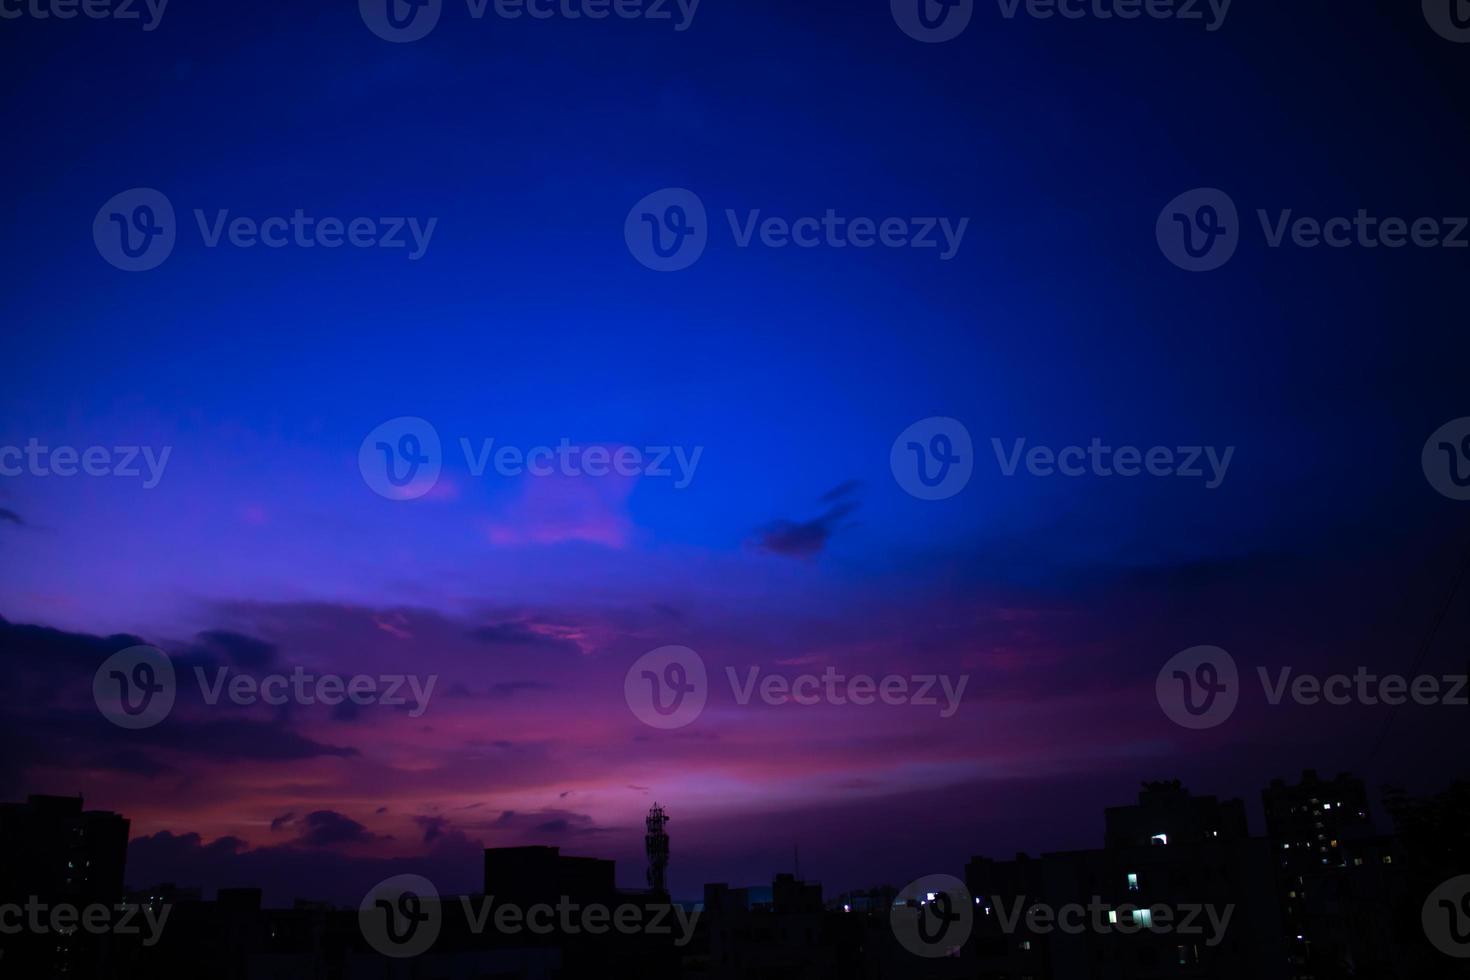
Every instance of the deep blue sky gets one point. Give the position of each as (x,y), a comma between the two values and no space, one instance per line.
(528,320)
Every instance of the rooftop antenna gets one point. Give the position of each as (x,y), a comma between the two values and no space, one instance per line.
(656,843)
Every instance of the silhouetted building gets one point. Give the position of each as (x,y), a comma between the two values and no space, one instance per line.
(1337,879)
(1167,814)
(50,846)
(864,900)
(656,844)
(1311,819)
(1178,890)
(55,854)
(783,933)
(528,875)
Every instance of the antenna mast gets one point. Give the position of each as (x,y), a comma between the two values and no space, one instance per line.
(656,843)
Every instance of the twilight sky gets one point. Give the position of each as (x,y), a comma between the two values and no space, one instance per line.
(792,548)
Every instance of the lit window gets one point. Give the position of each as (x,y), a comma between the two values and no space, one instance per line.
(1144,917)
(1112,917)
(1133,883)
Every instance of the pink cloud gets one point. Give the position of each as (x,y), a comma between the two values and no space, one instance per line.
(560,509)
